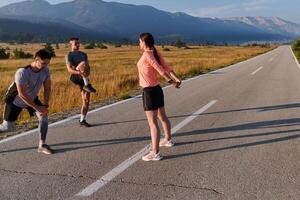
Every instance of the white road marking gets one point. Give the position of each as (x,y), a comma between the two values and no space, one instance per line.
(296,60)
(94,187)
(63,121)
(256,70)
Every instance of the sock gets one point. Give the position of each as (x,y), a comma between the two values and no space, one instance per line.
(82,117)
(41,144)
(85,80)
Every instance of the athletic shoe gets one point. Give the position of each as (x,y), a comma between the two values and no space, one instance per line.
(45,149)
(84,123)
(7,126)
(89,88)
(166,143)
(152,157)
(3,128)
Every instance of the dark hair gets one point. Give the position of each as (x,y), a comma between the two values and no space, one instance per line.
(43,54)
(73,38)
(149,41)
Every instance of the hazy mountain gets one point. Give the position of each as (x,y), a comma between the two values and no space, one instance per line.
(272,24)
(129,21)
(12,29)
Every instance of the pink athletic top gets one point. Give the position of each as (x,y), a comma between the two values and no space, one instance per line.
(148,68)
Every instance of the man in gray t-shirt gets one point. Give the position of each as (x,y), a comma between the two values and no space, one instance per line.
(78,66)
(23,93)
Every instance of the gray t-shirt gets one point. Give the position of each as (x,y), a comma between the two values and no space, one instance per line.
(74,58)
(33,80)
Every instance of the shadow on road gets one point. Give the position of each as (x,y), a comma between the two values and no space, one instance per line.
(281,139)
(259,109)
(76,145)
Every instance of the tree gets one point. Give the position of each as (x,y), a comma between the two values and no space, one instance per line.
(50,49)
(179,44)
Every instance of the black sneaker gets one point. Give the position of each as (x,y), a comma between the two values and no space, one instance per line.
(89,88)
(84,123)
(46,149)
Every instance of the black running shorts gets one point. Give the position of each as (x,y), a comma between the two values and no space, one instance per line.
(77,79)
(153,98)
(12,112)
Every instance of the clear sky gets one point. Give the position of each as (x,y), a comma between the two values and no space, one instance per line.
(286,9)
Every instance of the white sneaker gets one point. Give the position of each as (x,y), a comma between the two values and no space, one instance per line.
(6,126)
(166,143)
(152,157)
(2,128)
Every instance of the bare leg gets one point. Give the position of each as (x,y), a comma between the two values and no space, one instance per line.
(84,68)
(154,130)
(162,116)
(85,102)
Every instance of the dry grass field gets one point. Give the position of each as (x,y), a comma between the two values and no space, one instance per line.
(114,71)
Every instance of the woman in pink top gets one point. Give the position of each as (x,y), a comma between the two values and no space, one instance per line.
(149,66)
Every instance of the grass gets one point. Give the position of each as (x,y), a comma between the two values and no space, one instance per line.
(296,49)
(114,71)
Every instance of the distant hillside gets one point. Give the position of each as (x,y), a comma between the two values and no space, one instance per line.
(22,31)
(128,21)
(274,25)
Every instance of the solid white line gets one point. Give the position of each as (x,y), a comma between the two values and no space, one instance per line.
(94,187)
(296,60)
(63,121)
(124,101)
(256,70)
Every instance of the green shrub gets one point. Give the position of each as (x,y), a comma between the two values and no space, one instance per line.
(101,46)
(90,46)
(3,54)
(296,48)
(19,54)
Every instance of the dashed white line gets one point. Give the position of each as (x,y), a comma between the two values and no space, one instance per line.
(94,187)
(256,70)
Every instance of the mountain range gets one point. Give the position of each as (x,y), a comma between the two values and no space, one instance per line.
(99,20)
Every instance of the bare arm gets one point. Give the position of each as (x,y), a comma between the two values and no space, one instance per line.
(71,70)
(174,76)
(22,94)
(47,91)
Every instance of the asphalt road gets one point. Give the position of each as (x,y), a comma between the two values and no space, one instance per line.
(237,133)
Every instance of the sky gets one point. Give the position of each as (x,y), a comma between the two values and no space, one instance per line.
(286,9)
